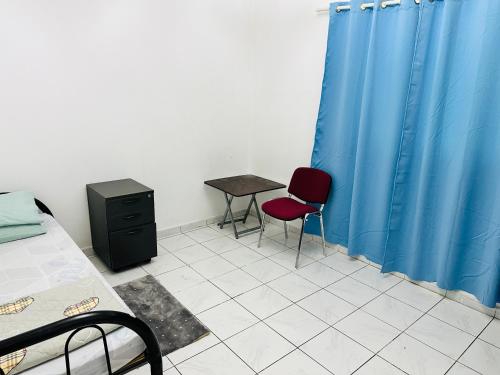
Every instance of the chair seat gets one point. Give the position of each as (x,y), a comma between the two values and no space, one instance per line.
(287,209)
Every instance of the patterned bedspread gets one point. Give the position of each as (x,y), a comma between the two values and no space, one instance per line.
(38,309)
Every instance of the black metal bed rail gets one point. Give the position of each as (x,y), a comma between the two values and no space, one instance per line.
(90,320)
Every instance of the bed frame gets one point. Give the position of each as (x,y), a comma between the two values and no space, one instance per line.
(90,320)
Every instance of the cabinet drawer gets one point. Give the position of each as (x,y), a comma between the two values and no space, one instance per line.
(130,211)
(132,245)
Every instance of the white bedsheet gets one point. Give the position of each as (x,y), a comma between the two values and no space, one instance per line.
(53,259)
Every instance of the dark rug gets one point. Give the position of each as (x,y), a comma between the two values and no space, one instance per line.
(173,325)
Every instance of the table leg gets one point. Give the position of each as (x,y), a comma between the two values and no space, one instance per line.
(221,224)
(228,202)
(233,221)
(257,211)
(247,212)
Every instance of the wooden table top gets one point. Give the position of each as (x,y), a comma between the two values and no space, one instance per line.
(247,184)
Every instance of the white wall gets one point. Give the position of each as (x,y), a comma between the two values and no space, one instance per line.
(289,56)
(167,92)
(94,90)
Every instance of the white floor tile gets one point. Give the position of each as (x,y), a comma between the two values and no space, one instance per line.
(193,253)
(414,295)
(201,297)
(459,369)
(228,228)
(252,221)
(469,300)
(274,230)
(227,319)
(293,287)
(121,277)
(99,264)
(160,250)
(314,250)
(171,371)
(248,239)
(242,256)
(293,239)
(427,348)
(177,242)
(203,234)
(268,247)
(353,291)
(263,301)
(166,363)
(343,263)
(288,258)
(392,311)
(295,363)
(162,264)
(296,324)
(492,333)
(236,282)
(193,226)
(218,360)
(213,267)
(221,245)
(432,286)
(143,370)
(460,316)
(440,336)
(378,366)
(265,270)
(259,346)
(326,306)
(180,279)
(415,358)
(372,277)
(320,274)
(367,330)
(146,370)
(337,352)
(482,357)
(191,350)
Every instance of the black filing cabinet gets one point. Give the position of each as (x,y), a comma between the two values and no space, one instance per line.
(122,222)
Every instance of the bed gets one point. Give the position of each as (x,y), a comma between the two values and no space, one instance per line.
(51,260)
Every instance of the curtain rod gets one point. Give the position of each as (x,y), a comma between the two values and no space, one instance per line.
(363,6)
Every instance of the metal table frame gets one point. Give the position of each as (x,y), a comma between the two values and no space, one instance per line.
(233,221)
(242,186)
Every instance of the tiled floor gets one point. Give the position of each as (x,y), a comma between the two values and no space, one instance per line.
(335,315)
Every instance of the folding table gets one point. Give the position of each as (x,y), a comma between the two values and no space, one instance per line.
(240,186)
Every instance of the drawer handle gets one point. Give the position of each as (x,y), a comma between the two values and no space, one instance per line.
(135,231)
(131,217)
(130,201)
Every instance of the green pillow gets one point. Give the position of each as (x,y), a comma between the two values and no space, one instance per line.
(18,232)
(18,208)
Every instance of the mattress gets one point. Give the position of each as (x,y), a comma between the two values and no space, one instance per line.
(53,259)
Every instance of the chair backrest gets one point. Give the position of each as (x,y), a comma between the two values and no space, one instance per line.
(310,184)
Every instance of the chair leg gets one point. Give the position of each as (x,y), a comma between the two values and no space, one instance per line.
(322,234)
(262,226)
(286,230)
(304,219)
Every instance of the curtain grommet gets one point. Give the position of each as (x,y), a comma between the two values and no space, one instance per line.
(365,6)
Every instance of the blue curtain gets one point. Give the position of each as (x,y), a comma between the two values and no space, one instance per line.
(409,127)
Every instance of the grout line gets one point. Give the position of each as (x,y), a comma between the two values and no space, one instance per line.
(330,326)
(292,303)
(258,319)
(262,320)
(473,341)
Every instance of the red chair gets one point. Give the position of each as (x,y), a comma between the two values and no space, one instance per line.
(310,185)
